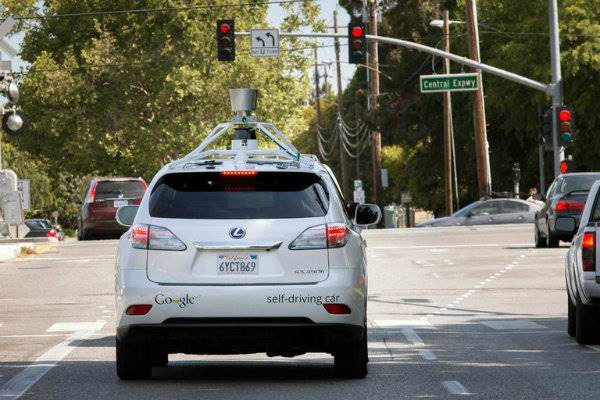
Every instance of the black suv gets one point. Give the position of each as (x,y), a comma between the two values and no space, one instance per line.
(559,217)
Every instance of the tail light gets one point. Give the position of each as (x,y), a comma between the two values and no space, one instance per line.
(569,205)
(152,237)
(245,173)
(588,251)
(93,193)
(321,237)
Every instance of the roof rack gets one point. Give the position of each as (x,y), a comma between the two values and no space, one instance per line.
(243,101)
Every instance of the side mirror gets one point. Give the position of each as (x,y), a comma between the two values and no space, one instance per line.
(126,215)
(367,214)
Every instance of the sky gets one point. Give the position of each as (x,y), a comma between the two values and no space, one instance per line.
(276,14)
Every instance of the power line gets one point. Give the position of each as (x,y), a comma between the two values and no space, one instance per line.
(155,10)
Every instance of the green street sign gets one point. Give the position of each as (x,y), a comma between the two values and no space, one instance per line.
(449,83)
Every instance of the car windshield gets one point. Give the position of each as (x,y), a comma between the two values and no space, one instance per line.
(211,195)
(119,189)
(38,224)
(577,183)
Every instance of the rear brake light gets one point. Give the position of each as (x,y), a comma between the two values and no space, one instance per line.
(588,251)
(152,237)
(321,237)
(569,205)
(337,235)
(138,309)
(93,193)
(337,309)
(239,173)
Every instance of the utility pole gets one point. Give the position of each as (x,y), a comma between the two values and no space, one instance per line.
(340,98)
(556,85)
(447,123)
(481,144)
(317,94)
(376,133)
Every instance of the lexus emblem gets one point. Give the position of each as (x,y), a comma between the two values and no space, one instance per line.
(237,233)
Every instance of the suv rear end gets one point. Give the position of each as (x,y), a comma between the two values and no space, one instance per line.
(226,261)
(103,197)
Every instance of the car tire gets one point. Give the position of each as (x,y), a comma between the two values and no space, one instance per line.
(133,361)
(552,241)
(540,242)
(159,359)
(351,361)
(571,317)
(587,323)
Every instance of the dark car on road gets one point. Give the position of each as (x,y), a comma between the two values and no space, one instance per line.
(489,212)
(102,199)
(40,228)
(559,217)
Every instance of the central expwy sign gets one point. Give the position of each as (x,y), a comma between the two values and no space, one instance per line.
(449,83)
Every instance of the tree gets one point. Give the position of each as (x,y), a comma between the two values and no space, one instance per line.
(125,93)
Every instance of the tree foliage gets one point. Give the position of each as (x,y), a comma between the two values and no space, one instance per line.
(123,94)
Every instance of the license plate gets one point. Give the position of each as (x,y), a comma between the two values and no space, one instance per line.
(120,203)
(237,265)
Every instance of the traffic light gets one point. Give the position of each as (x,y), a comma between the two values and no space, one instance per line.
(566,126)
(226,39)
(567,166)
(357,43)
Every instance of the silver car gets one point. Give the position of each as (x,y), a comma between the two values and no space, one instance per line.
(489,212)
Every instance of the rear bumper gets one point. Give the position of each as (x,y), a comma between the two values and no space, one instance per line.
(108,227)
(223,336)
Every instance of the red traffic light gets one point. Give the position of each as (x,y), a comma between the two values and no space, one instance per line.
(564,167)
(225,28)
(565,115)
(357,31)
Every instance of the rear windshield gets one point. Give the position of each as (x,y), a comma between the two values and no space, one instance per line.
(119,190)
(37,225)
(581,183)
(266,195)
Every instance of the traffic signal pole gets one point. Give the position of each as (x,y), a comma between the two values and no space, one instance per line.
(556,85)
(317,95)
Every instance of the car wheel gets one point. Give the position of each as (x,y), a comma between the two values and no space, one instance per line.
(587,323)
(133,361)
(571,319)
(540,242)
(159,359)
(552,241)
(351,361)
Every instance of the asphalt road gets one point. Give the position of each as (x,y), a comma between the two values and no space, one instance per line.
(453,312)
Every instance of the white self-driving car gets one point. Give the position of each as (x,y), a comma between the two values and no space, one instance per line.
(243,250)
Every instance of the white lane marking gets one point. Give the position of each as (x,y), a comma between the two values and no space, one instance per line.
(412,336)
(439,250)
(455,387)
(443,246)
(35,336)
(101,306)
(436,275)
(387,323)
(522,256)
(20,383)
(595,348)
(107,311)
(76,326)
(427,355)
(520,324)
